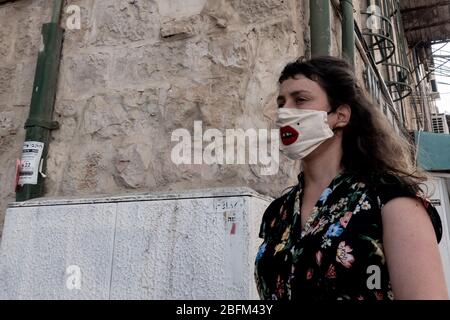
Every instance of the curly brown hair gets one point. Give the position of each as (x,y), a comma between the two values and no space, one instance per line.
(371,146)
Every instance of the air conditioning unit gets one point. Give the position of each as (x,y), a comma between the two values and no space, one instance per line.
(439,123)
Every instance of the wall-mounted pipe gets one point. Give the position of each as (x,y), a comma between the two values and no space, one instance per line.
(348,31)
(320,27)
(39,122)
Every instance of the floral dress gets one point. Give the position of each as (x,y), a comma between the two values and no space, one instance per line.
(339,253)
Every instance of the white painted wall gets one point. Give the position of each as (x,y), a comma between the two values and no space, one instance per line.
(148,246)
(438,185)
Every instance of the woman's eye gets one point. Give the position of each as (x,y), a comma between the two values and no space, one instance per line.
(298,100)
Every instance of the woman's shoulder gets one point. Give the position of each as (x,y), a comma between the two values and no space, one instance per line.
(388,186)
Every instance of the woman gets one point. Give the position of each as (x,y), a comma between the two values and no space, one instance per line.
(357,225)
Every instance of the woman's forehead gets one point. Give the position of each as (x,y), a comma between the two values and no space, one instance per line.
(299,83)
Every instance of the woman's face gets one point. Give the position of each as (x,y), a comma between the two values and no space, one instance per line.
(302,93)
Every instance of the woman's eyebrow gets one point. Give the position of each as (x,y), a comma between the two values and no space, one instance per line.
(298,92)
(293,94)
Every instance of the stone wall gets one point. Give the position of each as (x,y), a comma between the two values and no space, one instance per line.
(136,71)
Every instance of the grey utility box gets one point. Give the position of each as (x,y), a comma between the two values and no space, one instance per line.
(199,244)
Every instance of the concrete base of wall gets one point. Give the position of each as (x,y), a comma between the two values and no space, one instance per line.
(179,245)
(439,186)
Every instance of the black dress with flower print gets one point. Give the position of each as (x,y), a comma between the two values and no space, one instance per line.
(339,253)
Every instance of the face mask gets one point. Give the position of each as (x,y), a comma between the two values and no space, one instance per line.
(302,131)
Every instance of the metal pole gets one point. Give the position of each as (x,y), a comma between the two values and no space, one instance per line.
(348,32)
(320,27)
(56,12)
(39,122)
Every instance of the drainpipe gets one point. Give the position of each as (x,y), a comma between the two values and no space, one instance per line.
(30,182)
(348,32)
(320,27)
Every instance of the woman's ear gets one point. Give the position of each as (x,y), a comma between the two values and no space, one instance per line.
(343,113)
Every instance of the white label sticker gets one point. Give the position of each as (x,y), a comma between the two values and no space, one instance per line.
(31,155)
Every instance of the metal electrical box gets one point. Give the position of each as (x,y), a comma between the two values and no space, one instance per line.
(176,245)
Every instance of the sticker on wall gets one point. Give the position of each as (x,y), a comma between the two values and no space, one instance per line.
(31,156)
(435,202)
(231,208)
(233,228)
(18,166)
(230,219)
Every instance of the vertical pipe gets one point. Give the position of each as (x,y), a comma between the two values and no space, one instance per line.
(39,122)
(348,32)
(56,12)
(320,27)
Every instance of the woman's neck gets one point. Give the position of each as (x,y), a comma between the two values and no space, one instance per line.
(319,168)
